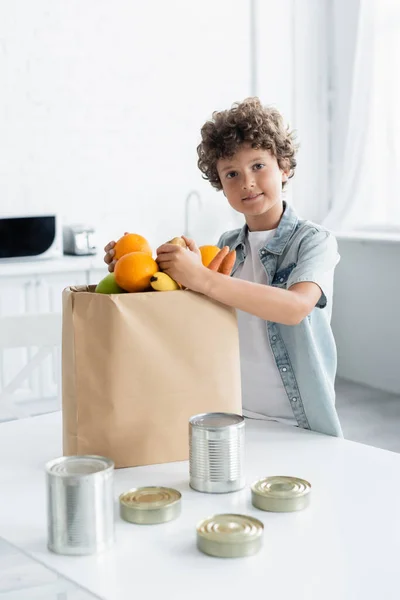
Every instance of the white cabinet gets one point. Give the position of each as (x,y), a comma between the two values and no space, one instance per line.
(38,292)
(96,275)
(49,289)
(16,295)
(48,298)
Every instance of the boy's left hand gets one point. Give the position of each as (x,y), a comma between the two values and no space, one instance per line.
(183,265)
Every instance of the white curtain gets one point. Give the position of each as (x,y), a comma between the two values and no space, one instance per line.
(367,194)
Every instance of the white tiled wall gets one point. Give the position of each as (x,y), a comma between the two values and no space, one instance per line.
(102,104)
(104,100)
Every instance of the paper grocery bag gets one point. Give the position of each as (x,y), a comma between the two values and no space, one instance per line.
(136,367)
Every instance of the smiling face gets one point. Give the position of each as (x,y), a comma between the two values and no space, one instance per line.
(252,182)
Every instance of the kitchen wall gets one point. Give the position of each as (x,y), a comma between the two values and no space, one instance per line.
(101,106)
(102,103)
(365,317)
(104,100)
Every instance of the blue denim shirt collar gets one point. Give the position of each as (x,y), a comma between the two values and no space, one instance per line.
(277,244)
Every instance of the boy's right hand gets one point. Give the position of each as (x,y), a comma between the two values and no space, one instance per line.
(109,256)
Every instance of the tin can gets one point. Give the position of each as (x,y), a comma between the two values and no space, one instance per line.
(216,452)
(150,505)
(230,536)
(80,504)
(281,494)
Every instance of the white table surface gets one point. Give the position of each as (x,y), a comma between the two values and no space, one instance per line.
(345,546)
(22,577)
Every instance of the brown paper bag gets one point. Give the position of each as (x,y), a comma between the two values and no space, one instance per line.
(136,367)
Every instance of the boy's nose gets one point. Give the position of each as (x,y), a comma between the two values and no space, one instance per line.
(248,182)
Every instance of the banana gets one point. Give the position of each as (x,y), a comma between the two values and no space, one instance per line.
(178,241)
(161,282)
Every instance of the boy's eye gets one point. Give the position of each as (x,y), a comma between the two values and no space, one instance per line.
(258,166)
(231,174)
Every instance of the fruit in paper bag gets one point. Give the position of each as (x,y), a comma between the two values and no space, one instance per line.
(217,260)
(133,271)
(208,253)
(224,261)
(131,242)
(108,285)
(161,282)
(178,241)
(228,263)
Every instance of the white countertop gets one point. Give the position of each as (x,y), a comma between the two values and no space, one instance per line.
(380,237)
(345,546)
(51,265)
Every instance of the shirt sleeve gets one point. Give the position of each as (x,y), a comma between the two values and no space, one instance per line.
(317,259)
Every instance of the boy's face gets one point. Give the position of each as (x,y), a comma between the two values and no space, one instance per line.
(252,181)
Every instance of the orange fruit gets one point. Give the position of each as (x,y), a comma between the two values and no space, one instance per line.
(131,242)
(208,253)
(133,271)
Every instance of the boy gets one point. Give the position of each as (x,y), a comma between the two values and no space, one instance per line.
(282,281)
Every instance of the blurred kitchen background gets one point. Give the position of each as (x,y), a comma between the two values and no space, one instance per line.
(101,106)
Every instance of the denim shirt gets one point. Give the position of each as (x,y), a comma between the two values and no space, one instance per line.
(305,354)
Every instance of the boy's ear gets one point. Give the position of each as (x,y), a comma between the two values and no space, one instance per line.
(285,172)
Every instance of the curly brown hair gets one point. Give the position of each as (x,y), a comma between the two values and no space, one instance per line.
(246,122)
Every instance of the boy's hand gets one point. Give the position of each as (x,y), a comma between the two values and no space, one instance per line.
(109,256)
(183,265)
(192,246)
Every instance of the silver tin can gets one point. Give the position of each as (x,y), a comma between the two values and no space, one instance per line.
(230,536)
(281,494)
(80,504)
(150,505)
(216,452)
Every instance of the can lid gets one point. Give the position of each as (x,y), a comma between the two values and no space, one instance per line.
(216,420)
(280,487)
(79,466)
(149,498)
(230,529)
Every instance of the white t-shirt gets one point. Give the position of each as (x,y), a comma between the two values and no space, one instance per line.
(263,393)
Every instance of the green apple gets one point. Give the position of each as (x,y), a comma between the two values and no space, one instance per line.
(108,285)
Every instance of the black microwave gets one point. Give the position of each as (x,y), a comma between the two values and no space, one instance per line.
(33,237)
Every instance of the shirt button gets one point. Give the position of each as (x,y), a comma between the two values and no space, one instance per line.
(284,369)
(294,399)
(273,338)
(281,279)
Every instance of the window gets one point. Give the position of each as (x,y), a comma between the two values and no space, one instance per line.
(368,196)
